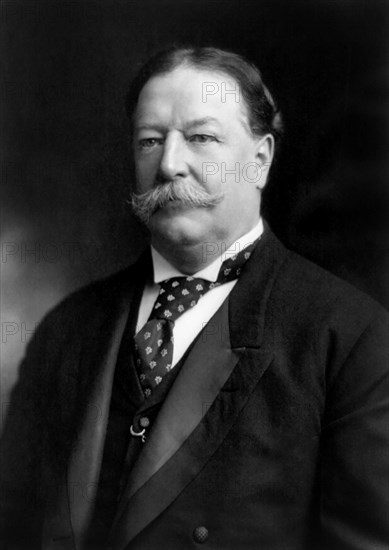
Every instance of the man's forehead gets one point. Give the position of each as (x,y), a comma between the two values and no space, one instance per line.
(192,94)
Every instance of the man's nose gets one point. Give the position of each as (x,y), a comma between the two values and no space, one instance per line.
(173,162)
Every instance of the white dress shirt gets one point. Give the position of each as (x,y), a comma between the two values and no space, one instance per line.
(191,322)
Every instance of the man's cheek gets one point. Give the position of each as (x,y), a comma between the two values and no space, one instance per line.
(145,176)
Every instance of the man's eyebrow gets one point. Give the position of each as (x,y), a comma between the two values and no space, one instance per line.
(187,126)
(149,126)
(200,122)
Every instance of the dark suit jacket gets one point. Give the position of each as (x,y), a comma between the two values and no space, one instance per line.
(273,436)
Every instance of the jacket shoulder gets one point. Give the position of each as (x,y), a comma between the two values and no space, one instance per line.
(322,298)
(92,301)
(99,291)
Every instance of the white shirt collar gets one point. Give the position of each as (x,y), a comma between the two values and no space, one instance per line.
(165,270)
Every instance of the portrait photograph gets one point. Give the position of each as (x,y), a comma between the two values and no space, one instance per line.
(194,275)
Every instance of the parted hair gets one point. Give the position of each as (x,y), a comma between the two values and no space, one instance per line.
(263,114)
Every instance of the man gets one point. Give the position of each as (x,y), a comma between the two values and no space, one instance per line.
(223,390)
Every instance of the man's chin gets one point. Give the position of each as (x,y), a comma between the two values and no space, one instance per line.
(176,222)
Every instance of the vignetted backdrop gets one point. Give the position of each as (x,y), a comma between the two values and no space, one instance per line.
(65,167)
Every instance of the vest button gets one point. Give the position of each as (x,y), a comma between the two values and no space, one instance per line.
(144,422)
(200,534)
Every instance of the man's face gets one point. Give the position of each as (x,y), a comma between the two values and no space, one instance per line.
(188,129)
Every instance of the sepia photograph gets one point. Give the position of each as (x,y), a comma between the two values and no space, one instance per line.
(194,275)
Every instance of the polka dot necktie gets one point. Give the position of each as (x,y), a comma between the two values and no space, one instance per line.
(154,342)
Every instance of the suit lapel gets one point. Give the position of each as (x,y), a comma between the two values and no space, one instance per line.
(214,383)
(91,376)
(85,463)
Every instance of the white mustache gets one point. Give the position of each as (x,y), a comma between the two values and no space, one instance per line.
(145,204)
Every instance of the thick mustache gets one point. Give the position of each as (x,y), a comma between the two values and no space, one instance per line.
(145,204)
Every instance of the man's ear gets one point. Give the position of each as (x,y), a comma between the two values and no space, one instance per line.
(264,157)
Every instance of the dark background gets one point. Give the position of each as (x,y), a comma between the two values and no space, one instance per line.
(65,165)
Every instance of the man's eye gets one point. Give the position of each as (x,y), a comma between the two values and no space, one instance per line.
(148,143)
(201,138)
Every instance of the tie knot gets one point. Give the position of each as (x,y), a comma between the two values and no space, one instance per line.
(179,294)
